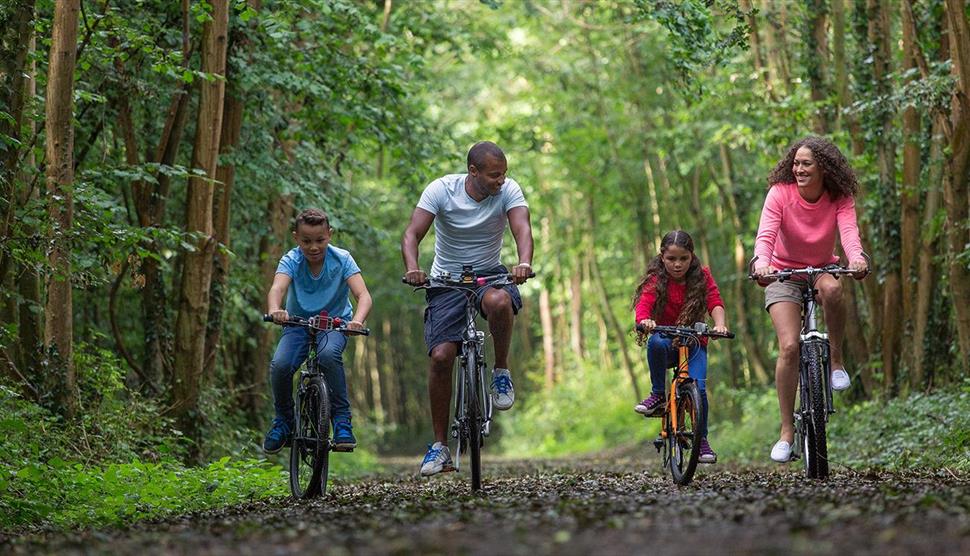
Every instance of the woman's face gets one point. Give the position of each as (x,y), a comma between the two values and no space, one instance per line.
(676,261)
(806,170)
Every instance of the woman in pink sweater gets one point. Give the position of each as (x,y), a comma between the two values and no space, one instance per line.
(810,198)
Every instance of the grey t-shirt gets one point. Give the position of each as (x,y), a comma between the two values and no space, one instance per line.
(468,231)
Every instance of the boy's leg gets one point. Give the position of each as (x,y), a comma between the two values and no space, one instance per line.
(330,349)
(290,353)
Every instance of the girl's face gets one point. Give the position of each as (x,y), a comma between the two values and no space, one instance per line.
(806,170)
(676,261)
(313,241)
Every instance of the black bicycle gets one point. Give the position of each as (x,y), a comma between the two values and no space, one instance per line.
(680,429)
(311,443)
(814,367)
(473,405)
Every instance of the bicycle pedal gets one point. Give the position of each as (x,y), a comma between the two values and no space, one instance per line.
(341,449)
(658,443)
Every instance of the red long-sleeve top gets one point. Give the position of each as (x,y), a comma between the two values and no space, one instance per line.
(676,296)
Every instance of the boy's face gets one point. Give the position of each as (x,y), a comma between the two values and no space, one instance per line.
(313,241)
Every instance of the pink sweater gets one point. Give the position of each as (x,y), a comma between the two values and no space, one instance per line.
(794,233)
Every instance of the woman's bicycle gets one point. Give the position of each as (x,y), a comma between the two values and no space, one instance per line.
(311,443)
(473,405)
(814,368)
(680,426)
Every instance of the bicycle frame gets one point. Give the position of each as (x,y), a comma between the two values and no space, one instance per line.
(681,375)
(472,345)
(810,334)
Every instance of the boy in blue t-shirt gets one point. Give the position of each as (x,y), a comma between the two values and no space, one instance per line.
(315,276)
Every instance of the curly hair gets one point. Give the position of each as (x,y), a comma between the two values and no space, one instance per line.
(695,306)
(838,178)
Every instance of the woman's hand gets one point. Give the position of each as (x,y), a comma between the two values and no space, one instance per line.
(861,268)
(763,270)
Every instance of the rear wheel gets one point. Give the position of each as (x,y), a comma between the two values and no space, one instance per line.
(816,449)
(310,450)
(685,443)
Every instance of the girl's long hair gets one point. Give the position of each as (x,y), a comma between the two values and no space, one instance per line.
(695,305)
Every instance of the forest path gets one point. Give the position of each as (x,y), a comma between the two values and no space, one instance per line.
(619,506)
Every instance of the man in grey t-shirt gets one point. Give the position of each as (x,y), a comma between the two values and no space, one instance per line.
(469,212)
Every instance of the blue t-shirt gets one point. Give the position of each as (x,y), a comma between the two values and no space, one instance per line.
(309,294)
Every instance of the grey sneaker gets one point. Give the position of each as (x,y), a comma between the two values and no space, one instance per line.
(437,459)
(503,395)
(840,379)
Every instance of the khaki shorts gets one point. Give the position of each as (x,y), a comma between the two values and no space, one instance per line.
(789,290)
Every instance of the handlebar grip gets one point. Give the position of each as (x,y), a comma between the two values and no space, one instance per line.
(729,335)
(641,328)
(267,318)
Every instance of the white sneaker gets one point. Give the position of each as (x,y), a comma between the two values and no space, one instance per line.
(840,379)
(503,395)
(437,459)
(781,452)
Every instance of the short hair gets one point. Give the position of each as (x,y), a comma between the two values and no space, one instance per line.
(311,217)
(481,150)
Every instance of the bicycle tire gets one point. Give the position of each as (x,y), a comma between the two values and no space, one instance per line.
(474,420)
(816,449)
(685,442)
(310,449)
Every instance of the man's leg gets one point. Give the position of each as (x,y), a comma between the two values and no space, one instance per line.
(497,305)
(439,387)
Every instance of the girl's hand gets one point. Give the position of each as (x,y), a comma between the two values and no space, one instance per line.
(720,328)
(861,269)
(648,325)
(280,316)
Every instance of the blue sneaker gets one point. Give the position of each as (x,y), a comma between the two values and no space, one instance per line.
(343,435)
(277,437)
(503,394)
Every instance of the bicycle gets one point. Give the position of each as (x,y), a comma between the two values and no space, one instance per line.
(680,426)
(311,443)
(473,405)
(814,367)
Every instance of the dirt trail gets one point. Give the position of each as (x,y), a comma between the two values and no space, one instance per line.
(618,507)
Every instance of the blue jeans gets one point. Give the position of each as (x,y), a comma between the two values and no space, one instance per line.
(661,355)
(291,352)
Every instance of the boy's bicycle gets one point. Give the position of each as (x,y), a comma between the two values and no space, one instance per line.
(473,405)
(814,368)
(311,443)
(680,425)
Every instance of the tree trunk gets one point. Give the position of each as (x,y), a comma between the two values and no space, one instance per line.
(190,325)
(28,280)
(910,194)
(576,341)
(956,196)
(58,329)
(839,67)
(755,40)
(548,350)
(816,57)
(777,48)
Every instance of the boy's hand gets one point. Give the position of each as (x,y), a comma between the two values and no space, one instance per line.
(280,316)
(355,325)
(415,277)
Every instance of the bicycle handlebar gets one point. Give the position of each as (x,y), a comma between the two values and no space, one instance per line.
(699,330)
(810,271)
(323,324)
(466,281)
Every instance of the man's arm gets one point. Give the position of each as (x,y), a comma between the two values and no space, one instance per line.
(274,299)
(418,227)
(522,232)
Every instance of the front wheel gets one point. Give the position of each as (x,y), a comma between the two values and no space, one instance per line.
(814,414)
(474,422)
(684,440)
(310,450)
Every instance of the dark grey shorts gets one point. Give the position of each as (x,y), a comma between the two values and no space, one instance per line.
(444,318)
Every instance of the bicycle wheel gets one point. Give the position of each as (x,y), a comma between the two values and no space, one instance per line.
(685,442)
(816,449)
(310,450)
(474,420)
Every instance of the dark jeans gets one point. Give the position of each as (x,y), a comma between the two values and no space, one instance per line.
(661,355)
(291,352)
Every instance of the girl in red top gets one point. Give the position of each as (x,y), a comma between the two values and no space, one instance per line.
(677,291)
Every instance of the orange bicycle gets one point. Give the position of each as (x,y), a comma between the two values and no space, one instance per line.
(680,425)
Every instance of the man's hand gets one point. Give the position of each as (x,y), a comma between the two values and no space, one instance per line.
(521,272)
(415,277)
(279,316)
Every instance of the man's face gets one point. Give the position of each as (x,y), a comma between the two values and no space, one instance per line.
(490,176)
(313,241)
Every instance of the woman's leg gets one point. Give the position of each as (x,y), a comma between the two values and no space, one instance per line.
(786,317)
(290,354)
(697,369)
(830,294)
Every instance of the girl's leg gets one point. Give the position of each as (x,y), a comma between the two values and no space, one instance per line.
(786,317)
(659,350)
(330,349)
(830,294)
(697,369)
(290,354)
